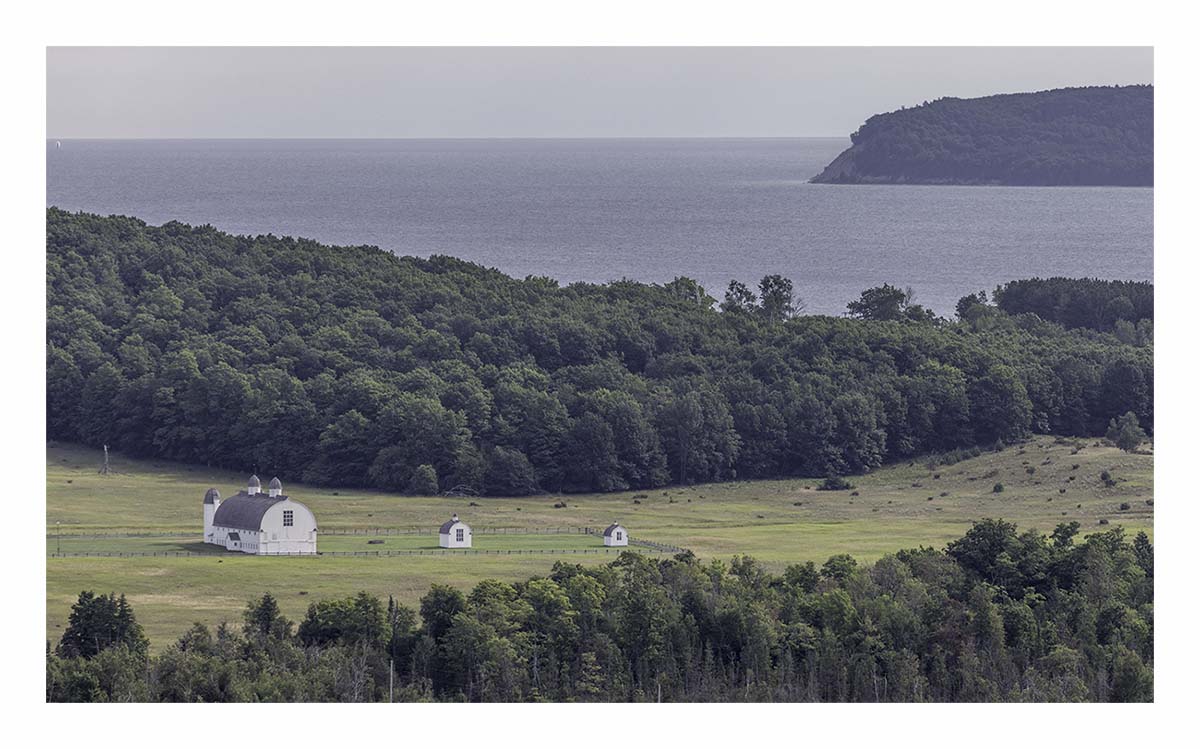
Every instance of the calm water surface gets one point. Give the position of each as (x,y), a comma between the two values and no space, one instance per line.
(598,210)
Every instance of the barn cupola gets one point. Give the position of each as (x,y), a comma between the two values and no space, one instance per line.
(275,488)
(254,486)
(454,518)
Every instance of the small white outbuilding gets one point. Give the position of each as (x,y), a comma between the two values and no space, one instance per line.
(454,534)
(616,535)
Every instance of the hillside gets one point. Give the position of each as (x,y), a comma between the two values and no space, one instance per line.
(1072,136)
(776,522)
(352,367)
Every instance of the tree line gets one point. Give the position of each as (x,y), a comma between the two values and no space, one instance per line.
(351,366)
(1125,308)
(998,615)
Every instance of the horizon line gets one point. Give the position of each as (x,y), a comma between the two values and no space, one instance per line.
(456,137)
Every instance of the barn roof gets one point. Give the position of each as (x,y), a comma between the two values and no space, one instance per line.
(610,529)
(446,526)
(244,511)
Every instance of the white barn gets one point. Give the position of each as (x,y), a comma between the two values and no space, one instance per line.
(255,523)
(454,534)
(616,535)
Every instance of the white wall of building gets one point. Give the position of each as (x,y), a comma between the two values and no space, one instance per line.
(209,511)
(619,537)
(459,537)
(298,538)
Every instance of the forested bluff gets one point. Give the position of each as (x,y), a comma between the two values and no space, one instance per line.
(1096,135)
(998,615)
(351,366)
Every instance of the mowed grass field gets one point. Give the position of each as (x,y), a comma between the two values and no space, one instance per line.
(777,522)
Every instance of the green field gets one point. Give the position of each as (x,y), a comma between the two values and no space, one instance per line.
(777,522)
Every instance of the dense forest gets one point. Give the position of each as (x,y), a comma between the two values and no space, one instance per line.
(997,616)
(1097,135)
(1125,308)
(352,366)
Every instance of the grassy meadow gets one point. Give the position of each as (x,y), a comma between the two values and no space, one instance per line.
(1046,481)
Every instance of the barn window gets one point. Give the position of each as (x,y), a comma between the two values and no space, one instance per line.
(287,518)
(618,535)
(458,534)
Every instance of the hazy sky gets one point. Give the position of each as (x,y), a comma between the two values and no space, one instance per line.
(390,92)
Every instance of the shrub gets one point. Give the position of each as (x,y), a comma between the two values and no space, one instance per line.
(1124,505)
(997,488)
(834,484)
(423,482)
(1125,432)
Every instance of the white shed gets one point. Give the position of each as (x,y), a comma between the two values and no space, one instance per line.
(255,523)
(454,534)
(616,535)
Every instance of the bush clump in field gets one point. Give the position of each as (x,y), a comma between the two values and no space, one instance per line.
(997,488)
(1107,478)
(1125,432)
(835,484)
(1124,505)
(423,482)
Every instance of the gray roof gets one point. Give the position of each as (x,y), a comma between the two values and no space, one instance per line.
(244,511)
(609,530)
(446,526)
(212,496)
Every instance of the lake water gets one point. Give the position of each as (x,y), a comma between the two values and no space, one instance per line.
(598,210)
